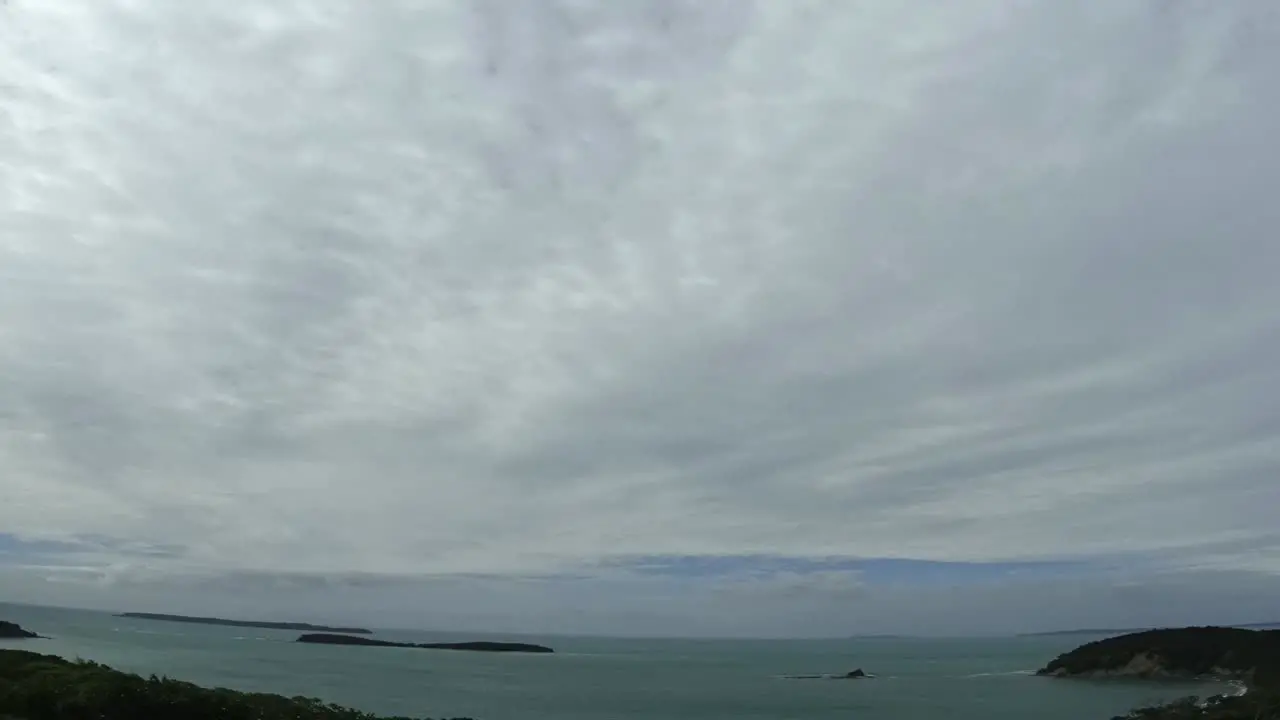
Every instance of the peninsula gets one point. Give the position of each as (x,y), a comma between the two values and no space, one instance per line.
(1177,653)
(1251,657)
(13,631)
(479,646)
(303,627)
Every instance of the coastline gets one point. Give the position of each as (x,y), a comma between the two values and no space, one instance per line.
(1243,663)
(986,679)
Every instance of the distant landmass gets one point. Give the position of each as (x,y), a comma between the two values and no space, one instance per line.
(1124,631)
(480,646)
(304,627)
(1250,658)
(1084,631)
(1177,653)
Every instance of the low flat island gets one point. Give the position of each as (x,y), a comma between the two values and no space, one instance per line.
(478,646)
(302,627)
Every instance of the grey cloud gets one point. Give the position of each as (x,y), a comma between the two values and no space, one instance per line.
(324,287)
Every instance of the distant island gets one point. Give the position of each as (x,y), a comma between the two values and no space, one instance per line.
(14,631)
(479,646)
(1123,631)
(304,627)
(1194,653)
(1084,631)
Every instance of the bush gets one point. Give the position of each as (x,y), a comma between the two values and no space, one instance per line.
(44,687)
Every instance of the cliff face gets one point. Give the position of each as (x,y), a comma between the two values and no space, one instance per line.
(1174,654)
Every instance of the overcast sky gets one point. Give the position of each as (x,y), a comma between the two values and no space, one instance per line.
(713,317)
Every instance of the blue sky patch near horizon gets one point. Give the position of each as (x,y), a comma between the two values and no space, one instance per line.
(15,545)
(888,571)
(15,551)
(870,570)
(14,548)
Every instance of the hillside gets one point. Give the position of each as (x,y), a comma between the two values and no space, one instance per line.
(1175,654)
(44,687)
(1252,656)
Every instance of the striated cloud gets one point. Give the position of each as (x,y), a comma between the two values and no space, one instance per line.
(429,291)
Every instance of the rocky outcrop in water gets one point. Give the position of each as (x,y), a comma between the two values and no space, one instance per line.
(853,675)
(13,631)
(479,646)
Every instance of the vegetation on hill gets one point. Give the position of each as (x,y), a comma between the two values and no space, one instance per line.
(1198,652)
(44,687)
(1175,653)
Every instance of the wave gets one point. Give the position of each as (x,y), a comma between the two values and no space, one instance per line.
(136,631)
(1001,674)
(1238,689)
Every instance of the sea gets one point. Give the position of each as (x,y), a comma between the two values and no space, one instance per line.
(594,678)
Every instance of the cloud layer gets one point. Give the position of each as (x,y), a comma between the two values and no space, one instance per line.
(412,290)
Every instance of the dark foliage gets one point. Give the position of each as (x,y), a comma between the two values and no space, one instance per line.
(1253,655)
(44,687)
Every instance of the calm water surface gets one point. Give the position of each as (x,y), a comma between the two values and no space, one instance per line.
(609,679)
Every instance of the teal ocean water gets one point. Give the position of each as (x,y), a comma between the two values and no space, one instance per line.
(609,679)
